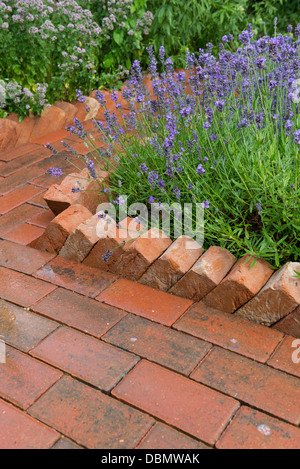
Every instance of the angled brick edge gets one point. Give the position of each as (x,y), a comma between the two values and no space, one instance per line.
(181,267)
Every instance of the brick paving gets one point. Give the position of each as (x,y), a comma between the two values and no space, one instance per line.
(94,361)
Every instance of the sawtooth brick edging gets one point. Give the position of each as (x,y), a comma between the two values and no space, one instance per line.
(214,277)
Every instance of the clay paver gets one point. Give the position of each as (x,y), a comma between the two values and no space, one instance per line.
(79,312)
(253,383)
(22,258)
(86,358)
(145,301)
(23,329)
(163,437)
(72,276)
(251,429)
(23,379)
(90,417)
(19,431)
(240,336)
(287,356)
(158,343)
(193,408)
(22,289)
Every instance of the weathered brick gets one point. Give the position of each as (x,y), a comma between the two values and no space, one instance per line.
(287,356)
(172,264)
(253,383)
(290,324)
(70,111)
(111,237)
(23,379)
(23,329)
(18,197)
(80,242)
(240,285)
(51,119)
(163,437)
(172,397)
(22,289)
(16,217)
(145,301)
(22,258)
(8,134)
(85,358)
(24,234)
(43,219)
(79,312)
(279,297)
(24,161)
(10,155)
(157,343)
(60,196)
(240,336)
(89,417)
(205,275)
(251,429)
(141,254)
(19,431)
(60,228)
(76,277)
(64,443)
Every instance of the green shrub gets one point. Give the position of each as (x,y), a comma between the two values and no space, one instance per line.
(226,138)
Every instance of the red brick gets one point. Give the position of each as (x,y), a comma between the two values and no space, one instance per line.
(39,201)
(257,385)
(21,289)
(64,443)
(18,197)
(43,219)
(60,228)
(290,324)
(251,429)
(164,437)
(19,431)
(85,358)
(25,129)
(113,238)
(24,234)
(24,161)
(45,180)
(23,380)
(82,113)
(286,356)
(52,137)
(60,196)
(240,285)
(145,301)
(240,336)
(69,109)
(279,297)
(8,134)
(205,275)
(51,120)
(172,264)
(89,417)
(79,312)
(172,398)
(10,183)
(76,277)
(23,329)
(16,217)
(157,343)
(81,240)
(22,258)
(10,155)
(141,254)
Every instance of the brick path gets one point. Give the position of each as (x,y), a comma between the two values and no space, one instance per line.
(99,362)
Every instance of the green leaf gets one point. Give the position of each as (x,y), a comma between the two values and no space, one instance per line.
(118,37)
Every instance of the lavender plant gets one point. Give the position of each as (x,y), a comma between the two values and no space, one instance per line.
(224,133)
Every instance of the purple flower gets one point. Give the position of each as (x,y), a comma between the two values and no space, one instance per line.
(151,199)
(107,256)
(205,204)
(200,169)
(56,172)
